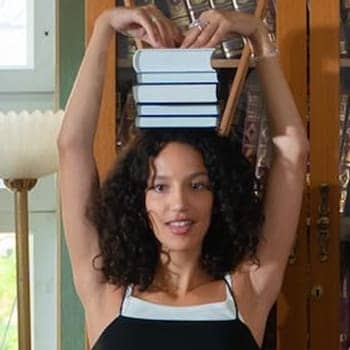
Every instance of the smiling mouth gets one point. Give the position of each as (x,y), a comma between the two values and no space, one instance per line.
(180,227)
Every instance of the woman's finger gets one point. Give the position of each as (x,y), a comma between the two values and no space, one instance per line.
(178,36)
(166,27)
(191,36)
(163,30)
(216,38)
(152,35)
(205,36)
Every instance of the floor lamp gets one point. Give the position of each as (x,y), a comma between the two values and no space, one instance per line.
(27,152)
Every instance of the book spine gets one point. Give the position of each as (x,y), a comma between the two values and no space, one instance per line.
(344,140)
(232,47)
(177,11)
(144,2)
(345,28)
(195,8)
(345,297)
(251,127)
(125,119)
(270,19)
(247,6)
(264,152)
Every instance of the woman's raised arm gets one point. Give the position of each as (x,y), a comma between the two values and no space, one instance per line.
(284,190)
(77,170)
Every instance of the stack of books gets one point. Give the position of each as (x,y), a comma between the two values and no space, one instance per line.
(176,88)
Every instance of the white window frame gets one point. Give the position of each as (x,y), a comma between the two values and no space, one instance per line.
(41,77)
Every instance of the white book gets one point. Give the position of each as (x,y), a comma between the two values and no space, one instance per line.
(178,109)
(175,93)
(173,60)
(176,122)
(177,77)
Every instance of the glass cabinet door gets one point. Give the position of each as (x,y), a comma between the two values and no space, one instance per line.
(344,175)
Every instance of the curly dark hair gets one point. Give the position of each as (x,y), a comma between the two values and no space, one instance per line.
(129,249)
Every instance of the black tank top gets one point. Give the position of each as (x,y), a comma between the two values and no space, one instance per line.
(130,333)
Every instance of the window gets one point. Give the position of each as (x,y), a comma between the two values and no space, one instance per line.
(16,34)
(8,299)
(25,63)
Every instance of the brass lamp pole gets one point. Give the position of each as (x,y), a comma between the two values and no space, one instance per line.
(28,151)
(21,187)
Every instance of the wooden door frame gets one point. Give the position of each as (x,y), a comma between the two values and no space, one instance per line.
(105,140)
(291,25)
(324,156)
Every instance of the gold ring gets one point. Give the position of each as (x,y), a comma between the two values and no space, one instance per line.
(154,19)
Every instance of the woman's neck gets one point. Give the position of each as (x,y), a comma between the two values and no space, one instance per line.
(178,276)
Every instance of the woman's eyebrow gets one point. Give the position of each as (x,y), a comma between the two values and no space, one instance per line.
(190,176)
(198,173)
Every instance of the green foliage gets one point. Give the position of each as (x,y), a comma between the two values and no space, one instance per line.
(7,299)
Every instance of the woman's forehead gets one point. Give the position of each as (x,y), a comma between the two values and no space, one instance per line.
(177,157)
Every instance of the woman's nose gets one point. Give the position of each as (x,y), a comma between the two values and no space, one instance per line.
(178,199)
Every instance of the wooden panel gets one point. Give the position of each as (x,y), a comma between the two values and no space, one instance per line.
(324,135)
(292,305)
(106,134)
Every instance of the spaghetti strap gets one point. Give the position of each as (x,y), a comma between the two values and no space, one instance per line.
(228,284)
(123,299)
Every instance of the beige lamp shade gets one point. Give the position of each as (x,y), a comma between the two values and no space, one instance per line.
(28,146)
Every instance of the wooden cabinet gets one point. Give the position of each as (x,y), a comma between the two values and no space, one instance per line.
(324,175)
(307,311)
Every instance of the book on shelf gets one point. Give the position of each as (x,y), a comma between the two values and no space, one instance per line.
(270,19)
(254,108)
(202,109)
(173,60)
(344,146)
(264,151)
(176,77)
(176,122)
(345,296)
(196,8)
(344,121)
(177,11)
(247,6)
(175,93)
(125,119)
(232,47)
(345,27)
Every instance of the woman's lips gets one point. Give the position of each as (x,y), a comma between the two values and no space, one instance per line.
(180,227)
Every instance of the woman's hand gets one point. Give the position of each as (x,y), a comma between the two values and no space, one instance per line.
(218,25)
(146,23)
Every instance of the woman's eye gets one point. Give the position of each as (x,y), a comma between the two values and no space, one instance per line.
(159,188)
(200,186)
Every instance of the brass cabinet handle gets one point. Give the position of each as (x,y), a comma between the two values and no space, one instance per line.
(323,222)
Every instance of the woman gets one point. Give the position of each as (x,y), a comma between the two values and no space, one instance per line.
(173,250)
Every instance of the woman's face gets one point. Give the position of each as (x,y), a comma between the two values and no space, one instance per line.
(179,199)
